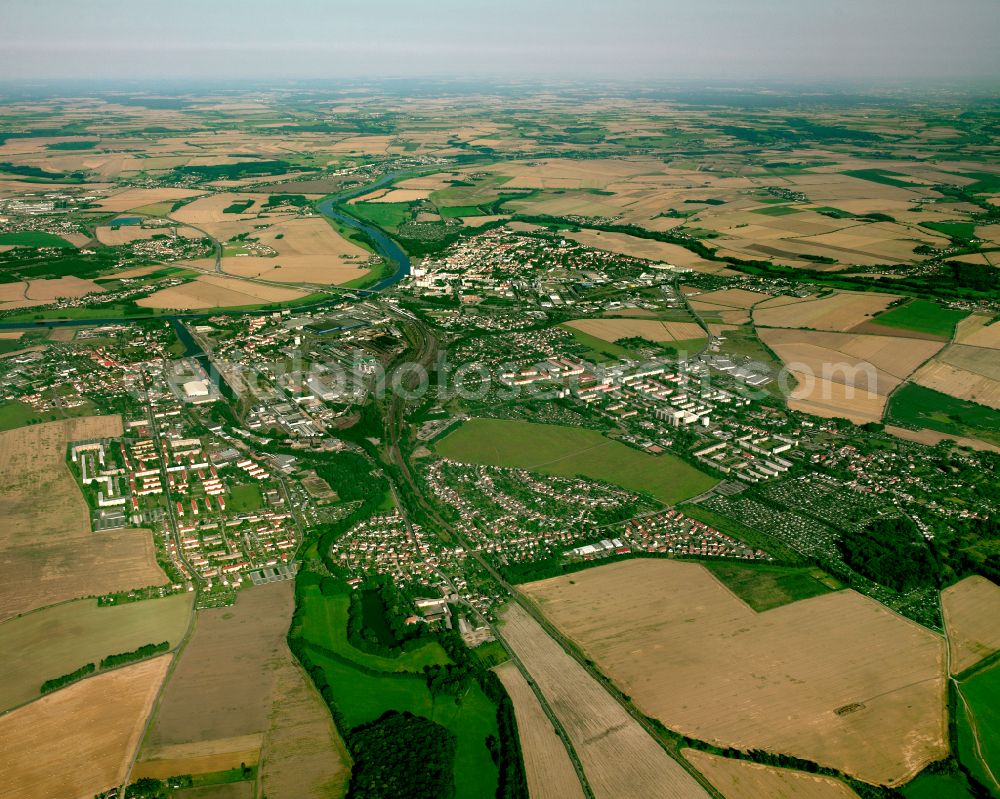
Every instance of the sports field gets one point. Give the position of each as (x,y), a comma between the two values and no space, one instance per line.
(571,452)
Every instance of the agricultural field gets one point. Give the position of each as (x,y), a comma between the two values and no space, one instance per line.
(233,693)
(972,620)
(549,769)
(47,550)
(78,741)
(978,719)
(29,293)
(945,375)
(215,291)
(838,312)
(845,374)
(918,407)
(650,329)
(921,316)
(619,757)
(302,754)
(978,330)
(738,779)
(571,451)
(764,587)
(644,248)
(365,686)
(858,688)
(57,640)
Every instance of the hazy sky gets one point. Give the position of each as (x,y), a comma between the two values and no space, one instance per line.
(646,39)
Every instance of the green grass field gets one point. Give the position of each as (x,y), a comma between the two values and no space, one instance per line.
(365,691)
(764,587)
(244,498)
(57,640)
(884,176)
(455,211)
(916,406)
(387,216)
(34,238)
(953,230)
(326,625)
(363,697)
(982,692)
(17,414)
(572,451)
(598,350)
(922,316)
(937,786)
(777,210)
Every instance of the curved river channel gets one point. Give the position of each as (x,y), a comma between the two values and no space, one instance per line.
(384,246)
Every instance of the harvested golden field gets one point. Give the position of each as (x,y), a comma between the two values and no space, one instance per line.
(643,248)
(223,700)
(972,619)
(841,311)
(202,757)
(984,361)
(549,770)
(128,233)
(48,553)
(139,271)
(932,437)
(740,779)
(214,291)
(847,375)
(302,755)
(894,356)
(54,641)
(79,741)
(27,294)
(854,687)
(960,383)
(69,286)
(734,298)
(318,269)
(978,330)
(134,198)
(835,400)
(612,329)
(209,213)
(309,251)
(402,196)
(619,757)
(569,173)
(10,335)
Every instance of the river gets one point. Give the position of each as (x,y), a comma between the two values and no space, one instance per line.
(384,246)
